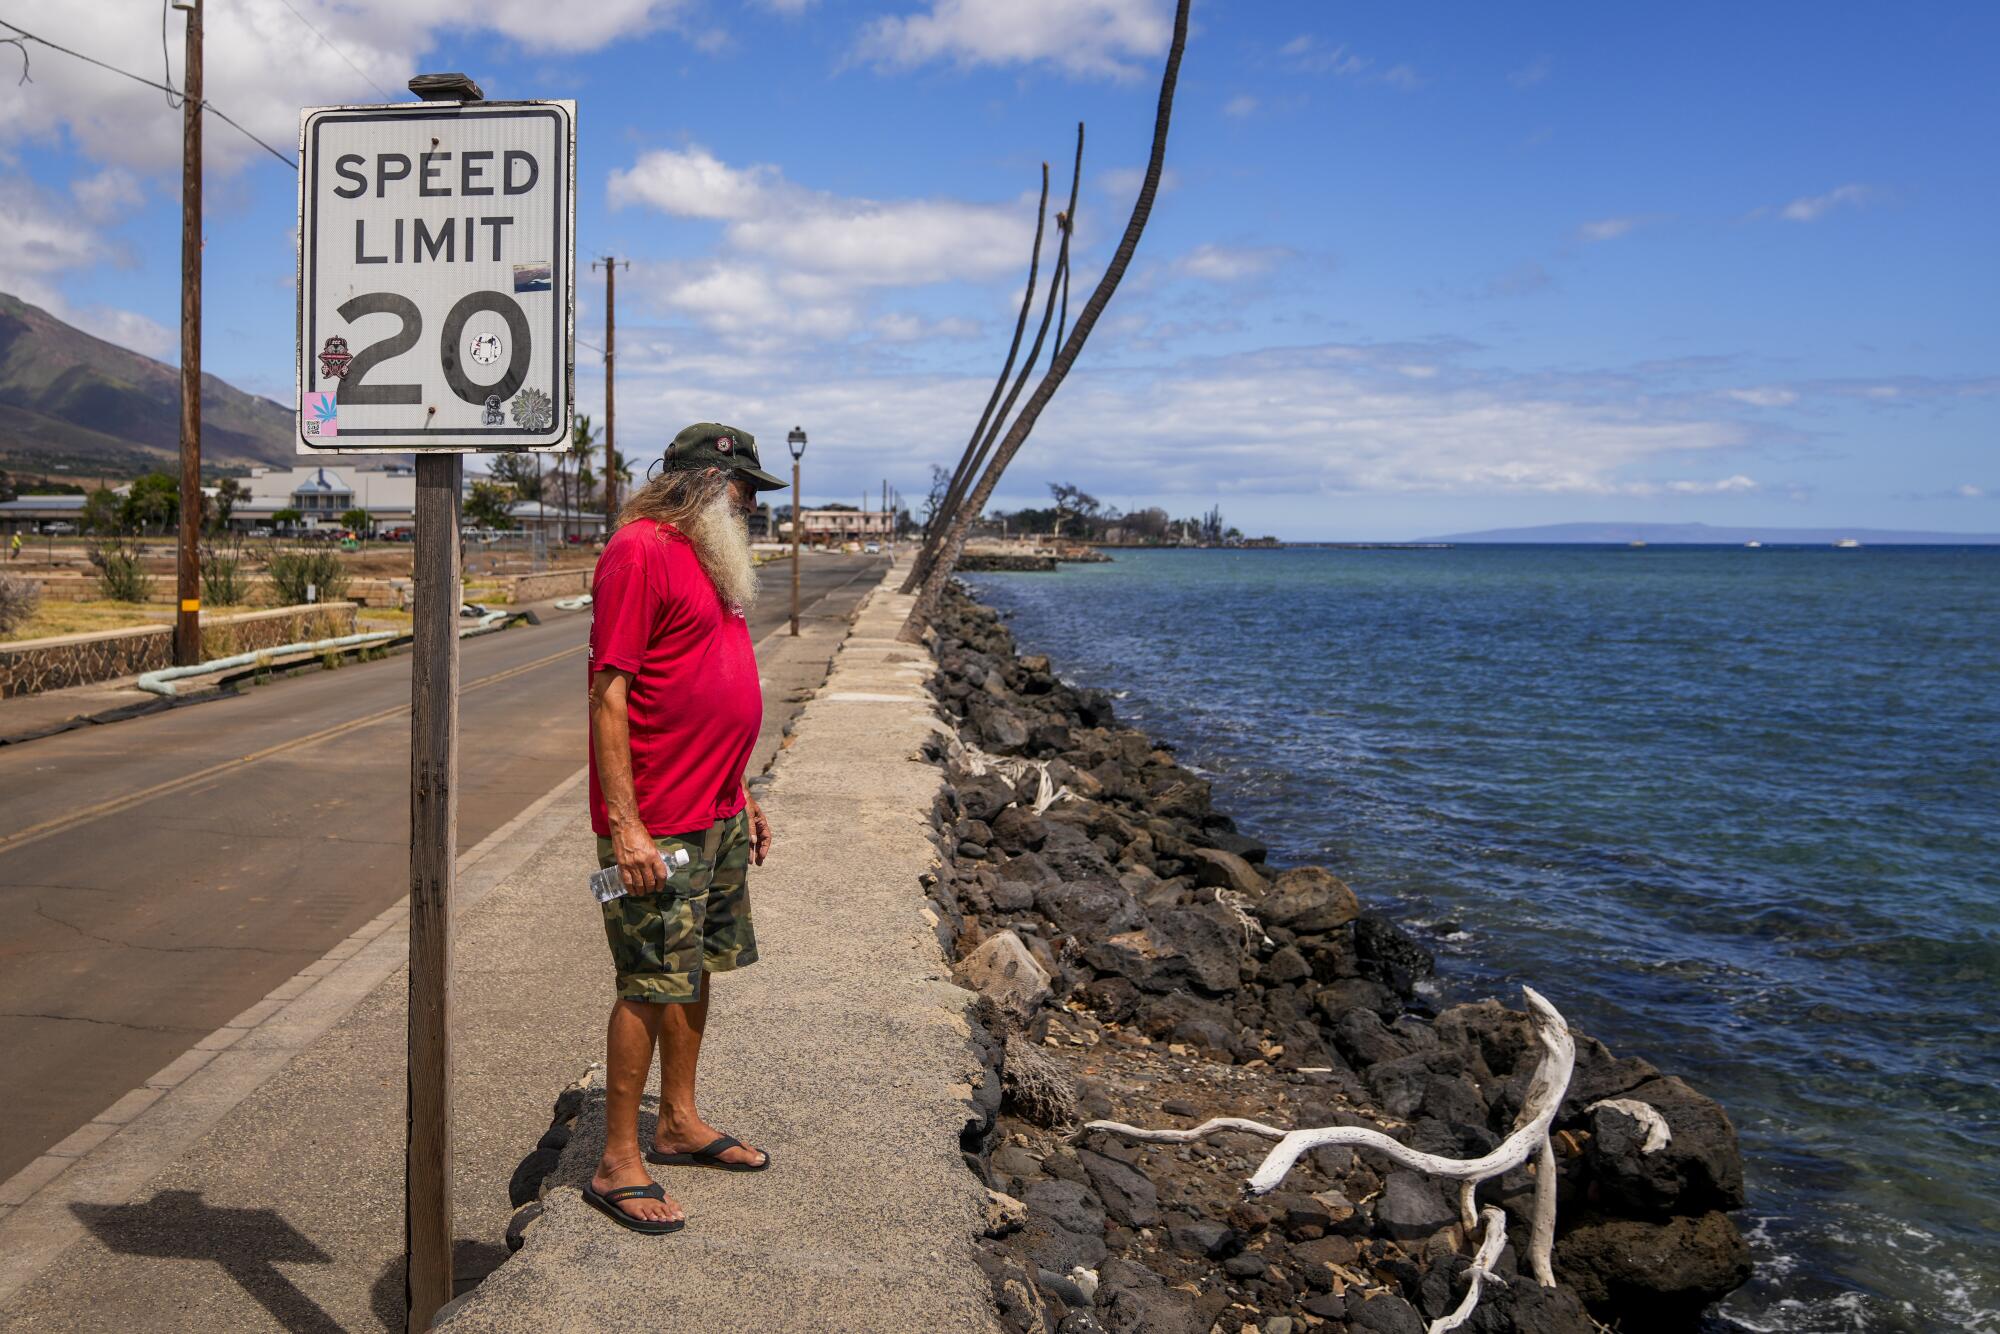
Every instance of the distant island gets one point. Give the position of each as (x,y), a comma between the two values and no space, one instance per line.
(1699,533)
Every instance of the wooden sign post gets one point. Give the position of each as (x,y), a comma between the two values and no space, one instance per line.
(437,311)
(433,882)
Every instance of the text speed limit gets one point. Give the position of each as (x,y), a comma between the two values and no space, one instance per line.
(436,276)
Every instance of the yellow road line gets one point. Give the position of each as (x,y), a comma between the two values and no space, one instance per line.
(35,833)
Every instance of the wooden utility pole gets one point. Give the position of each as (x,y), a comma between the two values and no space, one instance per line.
(427,1153)
(610,267)
(187,560)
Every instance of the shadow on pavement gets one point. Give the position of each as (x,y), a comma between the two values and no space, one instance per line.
(249,1244)
(471,1262)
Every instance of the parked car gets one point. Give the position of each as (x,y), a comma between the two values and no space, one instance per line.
(873,548)
(59,527)
(260,530)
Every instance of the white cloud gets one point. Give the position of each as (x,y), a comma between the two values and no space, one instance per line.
(693,183)
(1969,491)
(107,194)
(1079,37)
(1240,106)
(261,65)
(1532,73)
(1811,208)
(37,243)
(1226,264)
(1331,418)
(1404,77)
(800,260)
(1607,229)
(130,329)
(1764,396)
(904,327)
(1720,487)
(1308,55)
(40,241)
(898,243)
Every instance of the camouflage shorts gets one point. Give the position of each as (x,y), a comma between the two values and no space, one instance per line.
(699,922)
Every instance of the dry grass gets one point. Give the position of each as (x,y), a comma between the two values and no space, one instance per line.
(76,618)
(381,618)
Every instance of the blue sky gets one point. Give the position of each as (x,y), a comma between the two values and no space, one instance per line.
(1418,269)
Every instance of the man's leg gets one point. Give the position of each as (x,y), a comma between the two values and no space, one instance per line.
(681,1129)
(628,1055)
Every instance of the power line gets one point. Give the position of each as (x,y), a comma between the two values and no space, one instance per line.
(166,65)
(386,95)
(206,105)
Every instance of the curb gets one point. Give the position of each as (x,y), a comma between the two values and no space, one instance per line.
(131,1141)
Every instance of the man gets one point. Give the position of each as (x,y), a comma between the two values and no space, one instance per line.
(674,711)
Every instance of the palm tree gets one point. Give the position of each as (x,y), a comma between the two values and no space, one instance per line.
(951,541)
(582,449)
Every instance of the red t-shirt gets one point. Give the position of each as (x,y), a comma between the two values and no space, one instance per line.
(694,703)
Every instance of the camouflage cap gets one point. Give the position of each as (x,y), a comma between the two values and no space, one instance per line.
(723,447)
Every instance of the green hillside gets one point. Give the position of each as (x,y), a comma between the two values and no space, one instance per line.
(70,400)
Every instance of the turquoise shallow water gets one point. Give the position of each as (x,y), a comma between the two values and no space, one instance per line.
(1737,811)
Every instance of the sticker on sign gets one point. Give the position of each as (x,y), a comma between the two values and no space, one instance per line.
(437,277)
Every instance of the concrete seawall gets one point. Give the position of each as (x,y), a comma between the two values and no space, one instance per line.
(843,1052)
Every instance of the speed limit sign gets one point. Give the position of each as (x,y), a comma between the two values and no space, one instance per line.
(437,277)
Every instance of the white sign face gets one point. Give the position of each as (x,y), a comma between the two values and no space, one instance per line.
(437,276)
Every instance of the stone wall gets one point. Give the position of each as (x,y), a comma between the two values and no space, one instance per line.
(31,666)
(548,584)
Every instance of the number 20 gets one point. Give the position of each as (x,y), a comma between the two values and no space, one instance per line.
(354,390)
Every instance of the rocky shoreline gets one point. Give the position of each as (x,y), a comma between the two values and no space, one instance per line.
(1139,960)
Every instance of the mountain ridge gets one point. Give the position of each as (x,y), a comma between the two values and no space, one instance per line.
(69,398)
(1669,534)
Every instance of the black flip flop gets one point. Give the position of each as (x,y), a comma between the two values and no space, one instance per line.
(709,1157)
(607,1204)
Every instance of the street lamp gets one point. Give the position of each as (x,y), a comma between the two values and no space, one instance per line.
(797,441)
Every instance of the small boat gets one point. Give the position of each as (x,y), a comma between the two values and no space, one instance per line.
(1635,544)
(1753,544)
(1846,544)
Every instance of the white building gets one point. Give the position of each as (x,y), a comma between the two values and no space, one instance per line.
(841,524)
(555,521)
(321,495)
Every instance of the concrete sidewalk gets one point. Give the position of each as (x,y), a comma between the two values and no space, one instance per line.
(257,1182)
(843,1052)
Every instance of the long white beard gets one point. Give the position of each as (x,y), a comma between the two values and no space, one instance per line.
(721,539)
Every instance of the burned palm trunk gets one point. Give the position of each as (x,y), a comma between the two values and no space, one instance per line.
(953,533)
(954,504)
(941,517)
(981,445)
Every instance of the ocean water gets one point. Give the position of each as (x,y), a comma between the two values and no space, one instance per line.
(1737,811)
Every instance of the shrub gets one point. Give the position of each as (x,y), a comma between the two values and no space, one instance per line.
(223,580)
(292,572)
(120,576)
(18,600)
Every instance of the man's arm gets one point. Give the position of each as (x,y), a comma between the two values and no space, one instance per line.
(760,828)
(611,737)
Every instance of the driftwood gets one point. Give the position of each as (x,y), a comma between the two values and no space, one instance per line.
(949,541)
(1530,1137)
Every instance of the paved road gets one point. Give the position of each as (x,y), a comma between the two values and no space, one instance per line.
(159,876)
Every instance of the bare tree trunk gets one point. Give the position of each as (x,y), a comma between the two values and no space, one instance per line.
(1086,319)
(955,502)
(934,526)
